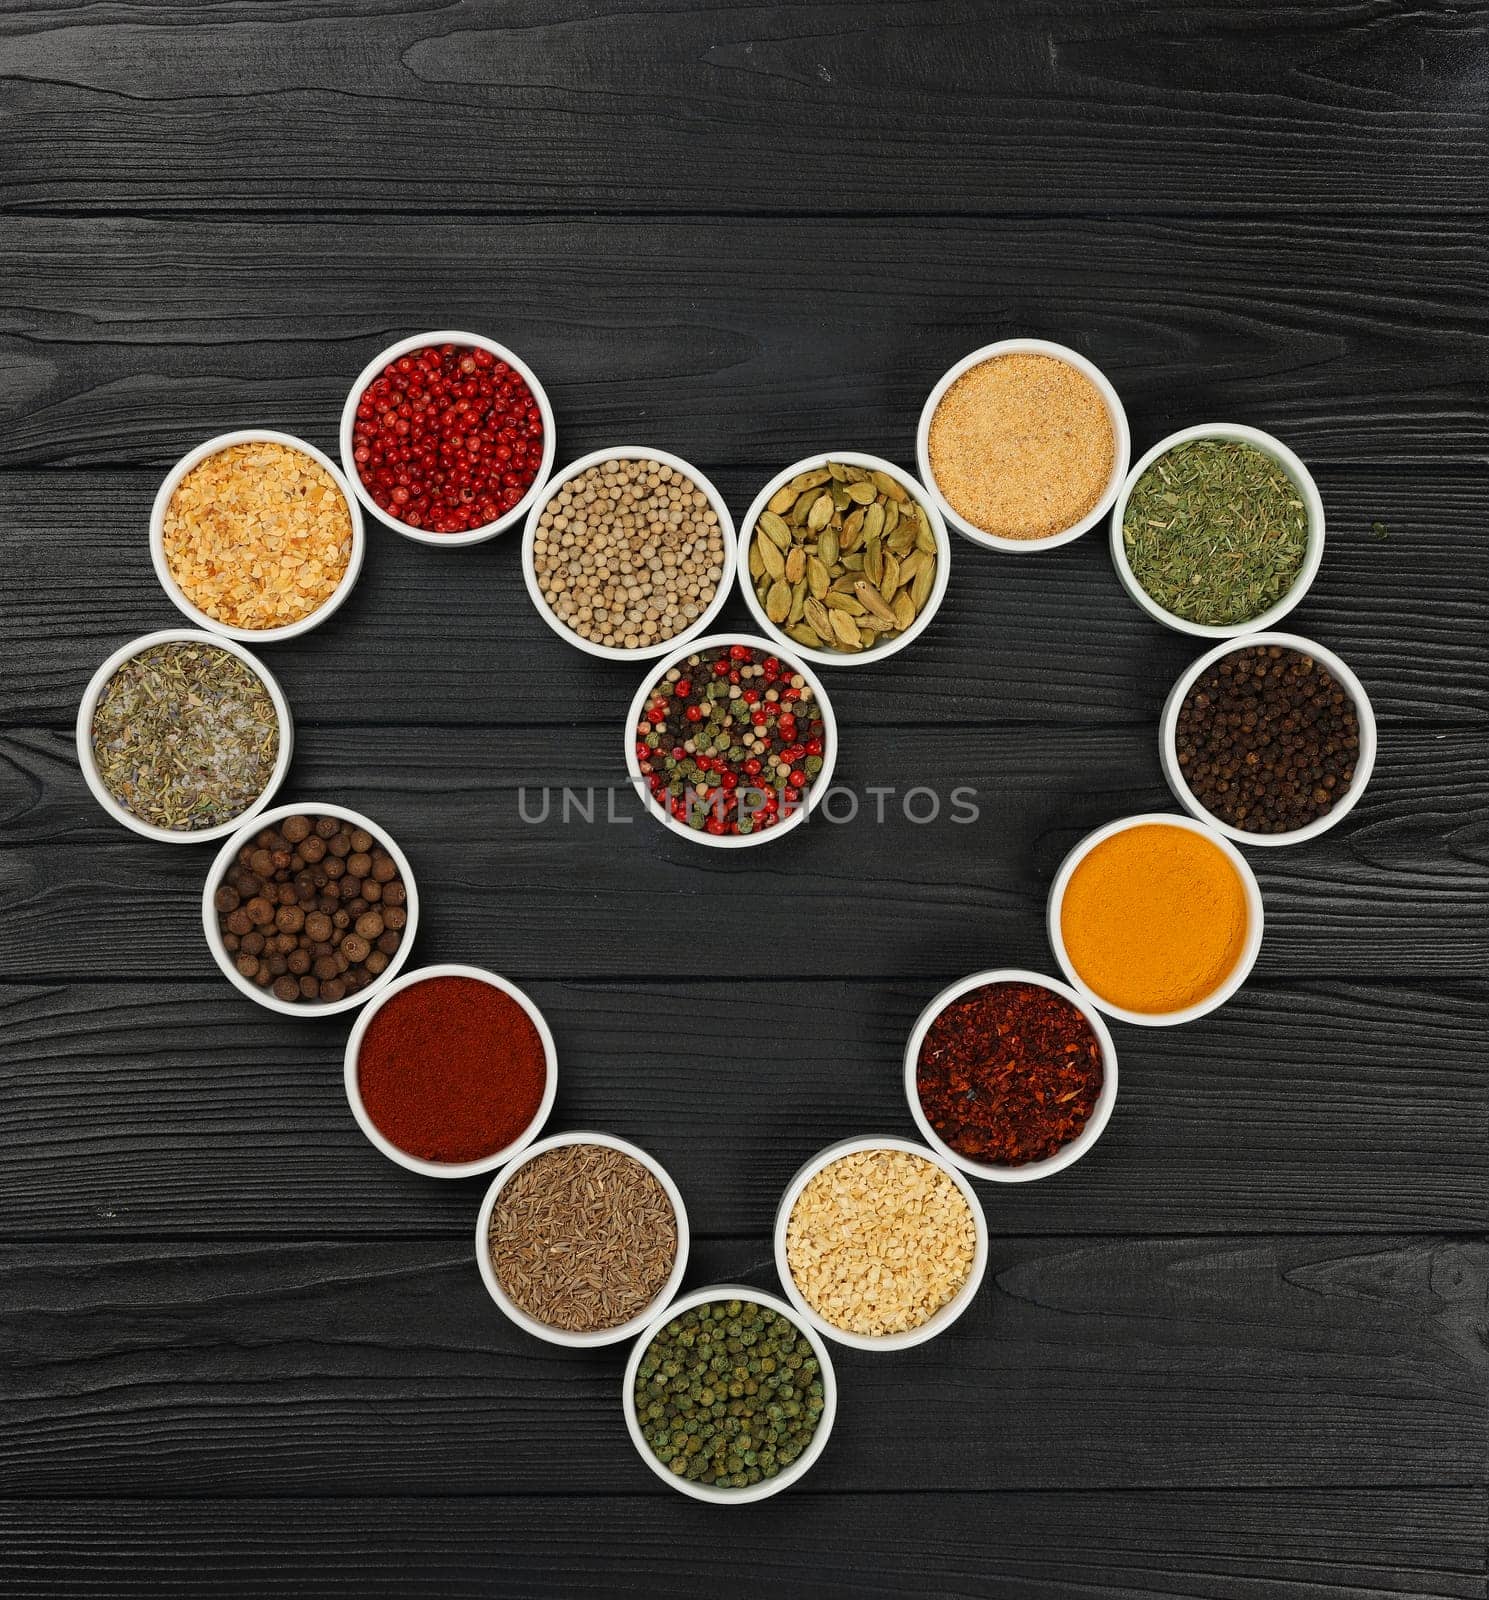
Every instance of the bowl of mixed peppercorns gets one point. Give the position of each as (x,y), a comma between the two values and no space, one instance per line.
(447,437)
(1270,739)
(730,741)
(310,909)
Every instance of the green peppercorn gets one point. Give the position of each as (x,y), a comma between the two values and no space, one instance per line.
(704,1412)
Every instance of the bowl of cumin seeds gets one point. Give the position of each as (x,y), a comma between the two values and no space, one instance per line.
(582,1239)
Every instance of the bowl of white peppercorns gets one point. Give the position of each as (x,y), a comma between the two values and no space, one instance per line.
(628,553)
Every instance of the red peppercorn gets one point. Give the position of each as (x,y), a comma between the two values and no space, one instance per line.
(441,442)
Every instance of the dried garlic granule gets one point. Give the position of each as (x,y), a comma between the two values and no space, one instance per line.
(258,535)
(1022,446)
(879,1241)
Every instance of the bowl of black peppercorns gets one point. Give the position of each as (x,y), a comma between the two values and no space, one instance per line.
(310,909)
(1268,738)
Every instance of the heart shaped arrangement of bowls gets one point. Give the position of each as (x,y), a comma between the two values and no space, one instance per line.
(843,559)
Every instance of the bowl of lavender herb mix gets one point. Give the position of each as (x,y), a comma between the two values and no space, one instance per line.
(182,736)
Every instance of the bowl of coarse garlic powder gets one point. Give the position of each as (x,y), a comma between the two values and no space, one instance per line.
(1023,445)
(880,1242)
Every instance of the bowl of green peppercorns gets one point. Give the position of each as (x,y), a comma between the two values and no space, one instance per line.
(728,1396)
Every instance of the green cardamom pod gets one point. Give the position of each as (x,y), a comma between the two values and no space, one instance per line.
(873,601)
(920,590)
(770,555)
(776,527)
(845,631)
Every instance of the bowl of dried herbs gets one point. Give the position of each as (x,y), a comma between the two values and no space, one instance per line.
(1218,530)
(182,736)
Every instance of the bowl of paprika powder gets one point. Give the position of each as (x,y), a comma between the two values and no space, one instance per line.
(1010,1075)
(451,1072)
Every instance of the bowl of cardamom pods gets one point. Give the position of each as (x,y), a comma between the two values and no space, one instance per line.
(843,558)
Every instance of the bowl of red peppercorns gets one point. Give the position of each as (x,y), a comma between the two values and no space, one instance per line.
(1010,1075)
(730,741)
(310,909)
(1269,738)
(447,437)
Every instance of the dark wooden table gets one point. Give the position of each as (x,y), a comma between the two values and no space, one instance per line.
(1239,1351)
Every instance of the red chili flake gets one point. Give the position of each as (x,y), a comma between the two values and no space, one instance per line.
(1009,1073)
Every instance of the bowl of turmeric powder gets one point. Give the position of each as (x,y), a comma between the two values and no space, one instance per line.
(1156,919)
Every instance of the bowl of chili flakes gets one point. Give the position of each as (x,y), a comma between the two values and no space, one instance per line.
(1010,1075)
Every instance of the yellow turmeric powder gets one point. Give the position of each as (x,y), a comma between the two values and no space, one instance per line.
(1154,919)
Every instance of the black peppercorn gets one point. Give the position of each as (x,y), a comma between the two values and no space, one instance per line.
(1267,739)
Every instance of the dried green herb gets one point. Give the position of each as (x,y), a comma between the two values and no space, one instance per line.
(185,736)
(1215,531)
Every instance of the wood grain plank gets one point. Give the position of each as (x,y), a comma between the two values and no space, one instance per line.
(1289,1545)
(546,106)
(375,1369)
(1398,890)
(127,341)
(1046,639)
(166,1110)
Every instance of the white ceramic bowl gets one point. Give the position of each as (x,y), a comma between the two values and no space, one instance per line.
(1254,920)
(1121,453)
(162,567)
(1068,1154)
(224,859)
(845,658)
(1302,481)
(422,341)
(99,682)
(601,1336)
(1168,728)
(448,1169)
(768,1486)
(942,1319)
(788,655)
(628,452)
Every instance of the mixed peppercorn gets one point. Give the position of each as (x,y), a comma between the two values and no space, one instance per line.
(448,438)
(731,740)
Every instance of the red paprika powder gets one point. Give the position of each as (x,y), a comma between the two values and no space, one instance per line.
(451,1069)
(1009,1073)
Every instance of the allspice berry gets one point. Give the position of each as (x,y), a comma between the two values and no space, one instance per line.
(299,910)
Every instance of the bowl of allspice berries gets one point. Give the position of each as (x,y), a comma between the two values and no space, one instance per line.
(310,908)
